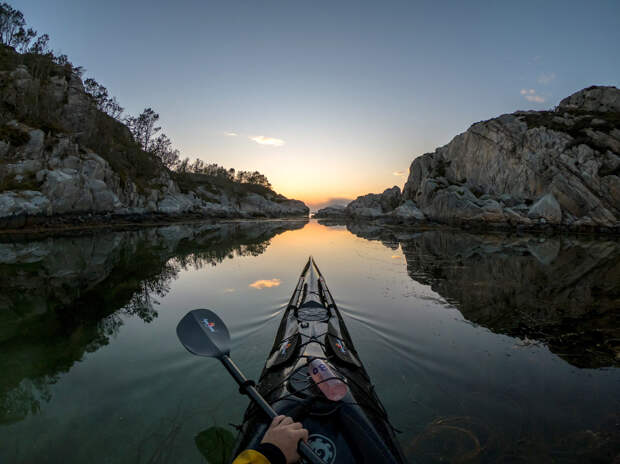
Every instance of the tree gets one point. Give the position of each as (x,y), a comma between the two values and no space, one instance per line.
(143,128)
(12,24)
(13,31)
(183,165)
(197,166)
(61,59)
(40,45)
(104,102)
(162,148)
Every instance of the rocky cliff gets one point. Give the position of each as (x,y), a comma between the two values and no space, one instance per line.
(60,156)
(529,169)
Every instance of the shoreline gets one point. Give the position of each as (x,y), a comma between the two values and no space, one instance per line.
(479,226)
(75,224)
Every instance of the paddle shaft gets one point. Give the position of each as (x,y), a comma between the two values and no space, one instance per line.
(303,448)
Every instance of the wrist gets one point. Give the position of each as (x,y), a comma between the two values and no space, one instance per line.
(273,454)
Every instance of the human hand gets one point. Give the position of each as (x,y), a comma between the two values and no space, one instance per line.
(285,434)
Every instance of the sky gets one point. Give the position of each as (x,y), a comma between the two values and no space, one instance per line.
(331,100)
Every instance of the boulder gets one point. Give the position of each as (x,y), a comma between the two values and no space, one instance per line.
(595,98)
(24,203)
(408,211)
(374,205)
(546,208)
(451,206)
(330,211)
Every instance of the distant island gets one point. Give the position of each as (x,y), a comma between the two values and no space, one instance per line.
(69,156)
(556,169)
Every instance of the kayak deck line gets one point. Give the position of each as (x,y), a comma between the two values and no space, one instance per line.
(356,427)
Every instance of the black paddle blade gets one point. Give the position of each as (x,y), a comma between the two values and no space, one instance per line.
(203,333)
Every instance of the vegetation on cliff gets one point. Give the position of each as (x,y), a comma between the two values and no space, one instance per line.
(43,90)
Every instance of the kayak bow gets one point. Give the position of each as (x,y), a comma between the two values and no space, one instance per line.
(354,429)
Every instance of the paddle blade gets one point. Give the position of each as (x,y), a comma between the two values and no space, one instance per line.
(203,333)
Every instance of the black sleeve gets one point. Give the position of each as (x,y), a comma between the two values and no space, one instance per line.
(272,453)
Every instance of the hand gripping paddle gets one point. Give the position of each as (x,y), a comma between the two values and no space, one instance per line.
(203,333)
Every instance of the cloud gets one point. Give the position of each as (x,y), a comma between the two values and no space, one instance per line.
(263,283)
(535,98)
(399,173)
(262,140)
(229,290)
(230,134)
(531,96)
(546,78)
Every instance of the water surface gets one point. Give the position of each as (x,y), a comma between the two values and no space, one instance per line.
(484,348)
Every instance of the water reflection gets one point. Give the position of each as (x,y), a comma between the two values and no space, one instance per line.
(63,297)
(561,291)
(483,348)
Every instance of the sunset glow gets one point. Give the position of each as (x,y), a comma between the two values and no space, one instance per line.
(326,104)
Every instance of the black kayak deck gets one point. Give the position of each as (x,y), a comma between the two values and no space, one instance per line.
(353,430)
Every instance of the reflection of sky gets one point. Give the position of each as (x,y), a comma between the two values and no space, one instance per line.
(330,100)
(265,283)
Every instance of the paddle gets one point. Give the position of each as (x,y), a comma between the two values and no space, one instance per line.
(203,333)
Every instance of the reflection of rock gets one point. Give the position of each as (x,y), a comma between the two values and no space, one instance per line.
(61,297)
(563,291)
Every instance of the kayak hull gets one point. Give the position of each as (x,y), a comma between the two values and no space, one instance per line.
(354,429)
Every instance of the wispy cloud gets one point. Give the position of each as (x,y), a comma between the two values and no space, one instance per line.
(399,173)
(265,283)
(230,134)
(546,78)
(531,96)
(262,140)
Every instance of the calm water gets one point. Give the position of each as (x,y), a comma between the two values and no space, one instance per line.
(483,348)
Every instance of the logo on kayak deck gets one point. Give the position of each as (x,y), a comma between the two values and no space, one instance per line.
(322,367)
(285,346)
(323,447)
(340,345)
(209,325)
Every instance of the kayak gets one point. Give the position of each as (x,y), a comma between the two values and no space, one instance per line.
(352,429)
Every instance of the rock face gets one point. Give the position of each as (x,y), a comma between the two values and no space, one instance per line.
(53,170)
(526,169)
(555,167)
(595,98)
(374,205)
